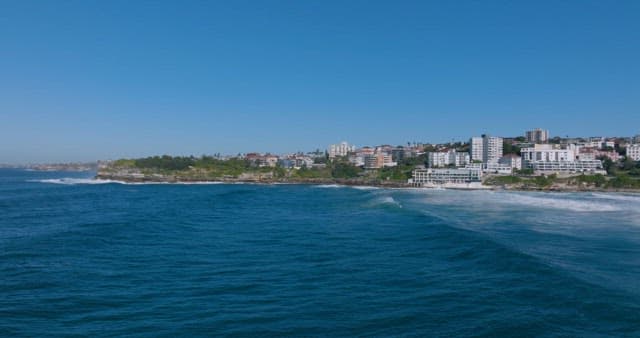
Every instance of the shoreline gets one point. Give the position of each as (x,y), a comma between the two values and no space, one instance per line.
(353,183)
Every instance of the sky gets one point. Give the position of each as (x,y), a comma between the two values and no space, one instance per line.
(89,80)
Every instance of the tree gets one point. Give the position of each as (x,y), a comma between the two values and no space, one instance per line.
(628,163)
(509,148)
(607,164)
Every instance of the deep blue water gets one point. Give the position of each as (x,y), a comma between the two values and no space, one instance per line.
(292,260)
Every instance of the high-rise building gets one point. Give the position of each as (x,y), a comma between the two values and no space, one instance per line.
(492,148)
(476,148)
(487,149)
(342,149)
(537,136)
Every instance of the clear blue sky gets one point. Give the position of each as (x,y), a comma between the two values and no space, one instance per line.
(87,80)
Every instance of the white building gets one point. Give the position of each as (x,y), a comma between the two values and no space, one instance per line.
(633,151)
(341,149)
(537,135)
(587,166)
(444,159)
(476,148)
(492,148)
(511,160)
(429,177)
(598,143)
(548,158)
(547,153)
(487,149)
(491,168)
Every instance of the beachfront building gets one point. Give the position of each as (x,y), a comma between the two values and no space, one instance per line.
(553,158)
(512,161)
(492,168)
(587,166)
(547,153)
(537,136)
(633,151)
(448,158)
(341,149)
(433,176)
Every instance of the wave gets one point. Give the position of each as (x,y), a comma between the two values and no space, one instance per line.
(365,187)
(387,200)
(77,181)
(559,203)
(329,186)
(617,197)
(74,181)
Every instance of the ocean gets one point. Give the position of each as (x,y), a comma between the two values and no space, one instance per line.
(85,258)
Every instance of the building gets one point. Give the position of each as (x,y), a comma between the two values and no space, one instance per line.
(378,160)
(431,176)
(553,158)
(400,153)
(512,161)
(492,168)
(487,149)
(598,143)
(592,154)
(537,136)
(633,151)
(341,149)
(547,153)
(492,148)
(476,148)
(448,158)
(635,139)
(550,167)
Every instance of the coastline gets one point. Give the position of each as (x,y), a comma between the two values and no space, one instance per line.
(162,179)
(266,181)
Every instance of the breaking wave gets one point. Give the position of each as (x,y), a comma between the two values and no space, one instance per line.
(329,186)
(364,187)
(617,197)
(559,203)
(77,181)
(74,181)
(386,200)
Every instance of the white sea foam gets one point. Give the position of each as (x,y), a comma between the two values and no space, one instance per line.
(364,187)
(73,181)
(558,203)
(330,186)
(618,197)
(76,181)
(388,200)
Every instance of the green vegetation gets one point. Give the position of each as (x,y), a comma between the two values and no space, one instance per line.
(509,148)
(525,172)
(501,180)
(623,181)
(165,162)
(344,170)
(597,180)
(543,181)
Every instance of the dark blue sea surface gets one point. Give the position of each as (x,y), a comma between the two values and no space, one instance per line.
(87,258)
